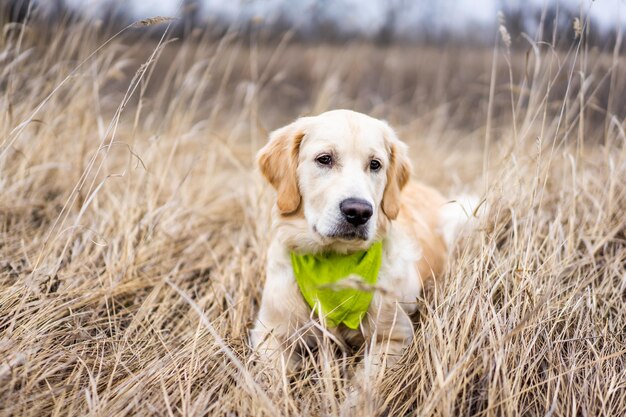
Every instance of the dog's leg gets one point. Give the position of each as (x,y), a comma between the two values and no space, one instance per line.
(388,330)
(277,333)
(460,216)
(275,344)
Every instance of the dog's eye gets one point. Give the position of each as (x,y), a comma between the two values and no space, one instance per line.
(374,165)
(324,159)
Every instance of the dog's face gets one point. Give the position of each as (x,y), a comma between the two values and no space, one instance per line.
(342,171)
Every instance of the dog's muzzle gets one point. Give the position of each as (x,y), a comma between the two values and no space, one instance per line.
(355,214)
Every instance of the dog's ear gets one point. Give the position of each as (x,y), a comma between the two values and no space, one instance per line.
(398,174)
(278,161)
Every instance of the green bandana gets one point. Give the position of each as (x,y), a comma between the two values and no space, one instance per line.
(318,274)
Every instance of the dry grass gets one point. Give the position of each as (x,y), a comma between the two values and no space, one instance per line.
(133,227)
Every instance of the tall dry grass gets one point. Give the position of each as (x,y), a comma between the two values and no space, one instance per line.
(133,227)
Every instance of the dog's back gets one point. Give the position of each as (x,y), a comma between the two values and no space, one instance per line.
(435,223)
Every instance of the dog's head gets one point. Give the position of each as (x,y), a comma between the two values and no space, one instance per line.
(340,171)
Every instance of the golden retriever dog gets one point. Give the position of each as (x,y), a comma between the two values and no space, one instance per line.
(343,185)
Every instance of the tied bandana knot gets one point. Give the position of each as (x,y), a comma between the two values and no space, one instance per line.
(318,277)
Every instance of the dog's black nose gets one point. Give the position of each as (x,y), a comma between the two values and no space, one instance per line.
(356,211)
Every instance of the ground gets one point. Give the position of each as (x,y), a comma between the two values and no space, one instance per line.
(134,226)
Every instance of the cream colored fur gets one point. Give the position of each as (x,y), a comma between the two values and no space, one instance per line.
(414,222)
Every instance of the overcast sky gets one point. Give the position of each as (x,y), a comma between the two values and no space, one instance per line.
(363,16)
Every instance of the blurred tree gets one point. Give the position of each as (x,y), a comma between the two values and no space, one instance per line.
(386,34)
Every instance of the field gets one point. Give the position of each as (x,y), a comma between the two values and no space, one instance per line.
(134,226)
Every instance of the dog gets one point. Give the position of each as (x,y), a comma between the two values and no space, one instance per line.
(345,200)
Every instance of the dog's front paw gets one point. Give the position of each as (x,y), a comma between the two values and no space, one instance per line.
(272,354)
(359,402)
